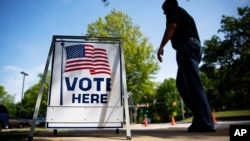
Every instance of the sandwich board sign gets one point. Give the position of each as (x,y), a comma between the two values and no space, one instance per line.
(88,84)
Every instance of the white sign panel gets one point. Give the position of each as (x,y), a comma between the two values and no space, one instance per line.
(86,85)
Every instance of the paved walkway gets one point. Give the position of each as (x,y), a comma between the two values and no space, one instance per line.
(154,132)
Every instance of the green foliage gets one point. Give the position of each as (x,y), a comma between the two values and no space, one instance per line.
(168,100)
(140,62)
(30,98)
(8,101)
(226,62)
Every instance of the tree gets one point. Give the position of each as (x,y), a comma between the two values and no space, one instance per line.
(168,100)
(30,98)
(8,101)
(106,2)
(226,61)
(140,62)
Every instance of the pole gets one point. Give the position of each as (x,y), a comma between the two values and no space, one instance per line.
(39,97)
(24,74)
(182,109)
(126,94)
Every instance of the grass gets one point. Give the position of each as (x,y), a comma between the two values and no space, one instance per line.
(232,113)
(228,115)
(18,134)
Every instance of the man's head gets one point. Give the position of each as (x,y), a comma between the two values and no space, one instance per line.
(169,3)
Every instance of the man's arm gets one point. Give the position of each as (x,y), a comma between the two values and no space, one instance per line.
(167,35)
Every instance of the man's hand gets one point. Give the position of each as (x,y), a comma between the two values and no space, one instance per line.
(168,33)
(160,54)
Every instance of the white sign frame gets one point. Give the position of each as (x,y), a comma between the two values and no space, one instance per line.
(110,115)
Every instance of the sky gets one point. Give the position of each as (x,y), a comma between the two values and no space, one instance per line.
(27,27)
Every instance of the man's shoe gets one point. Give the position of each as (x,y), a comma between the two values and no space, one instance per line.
(193,129)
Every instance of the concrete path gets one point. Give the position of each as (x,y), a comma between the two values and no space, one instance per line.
(154,132)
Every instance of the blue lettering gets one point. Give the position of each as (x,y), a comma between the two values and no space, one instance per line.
(94,97)
(76,98)
(108,84)
(85,84)
(104,98)
(71,87)
(81,82)
(98,83)
(90,98)
(85,98)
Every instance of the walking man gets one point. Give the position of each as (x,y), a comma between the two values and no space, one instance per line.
(182,32)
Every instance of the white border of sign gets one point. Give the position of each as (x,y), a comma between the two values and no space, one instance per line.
(82,98)
(108,109)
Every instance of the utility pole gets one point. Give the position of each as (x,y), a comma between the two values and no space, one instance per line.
(24,74)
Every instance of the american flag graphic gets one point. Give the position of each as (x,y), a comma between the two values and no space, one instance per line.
(87,57)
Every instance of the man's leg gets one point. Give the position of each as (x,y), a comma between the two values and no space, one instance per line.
(188,59)
(180,84)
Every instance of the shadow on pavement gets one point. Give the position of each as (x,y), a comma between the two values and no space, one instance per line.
(148,134)
(140,133)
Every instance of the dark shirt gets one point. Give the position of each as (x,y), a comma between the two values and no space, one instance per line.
(186,27)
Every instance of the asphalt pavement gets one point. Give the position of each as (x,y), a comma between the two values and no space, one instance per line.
(153,132)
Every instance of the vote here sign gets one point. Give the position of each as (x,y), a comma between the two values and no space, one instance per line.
(86,85)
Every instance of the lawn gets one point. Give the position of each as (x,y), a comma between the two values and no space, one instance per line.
(228,115)
(232,113)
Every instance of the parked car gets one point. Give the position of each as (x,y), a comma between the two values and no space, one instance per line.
(40,121)
(25,122)
(14,123)
(4,117)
